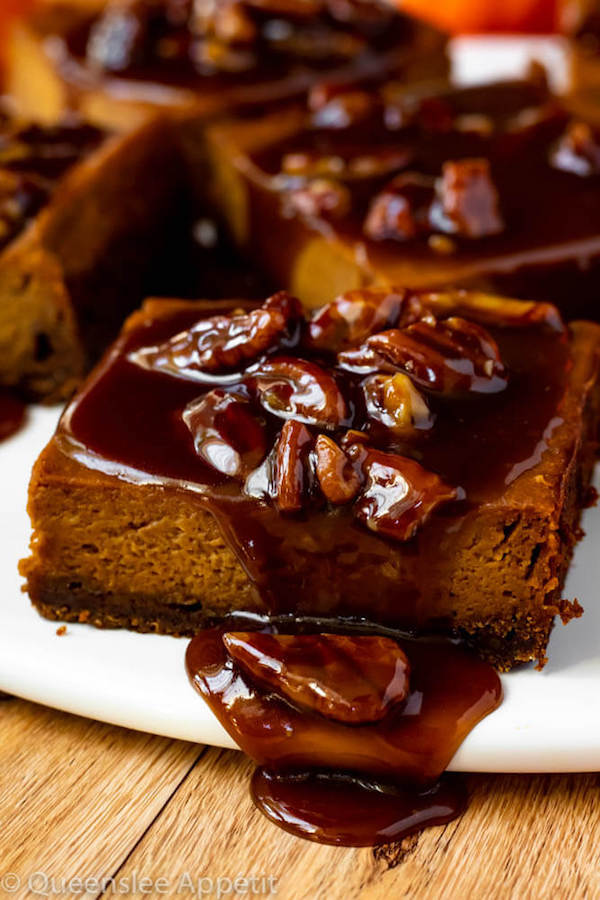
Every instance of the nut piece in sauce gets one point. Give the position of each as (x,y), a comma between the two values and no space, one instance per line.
(399,494)
(451,357)
(221,344)
(291,460)
(319,198)
(578,150)
(401,210)
(381,161)
(289,387)
(339,480)
(350,679)
(226,433)
(488,309)
(467,202)
(118,39)
(394,402)
(341,111)
(352,317)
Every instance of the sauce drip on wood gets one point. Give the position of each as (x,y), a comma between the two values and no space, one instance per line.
(346,782)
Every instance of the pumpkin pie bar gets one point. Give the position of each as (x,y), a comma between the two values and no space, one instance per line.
(82,216)
(412,459)
(493,187)
(118,61)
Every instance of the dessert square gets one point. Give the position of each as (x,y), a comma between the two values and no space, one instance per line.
(411,459)
(124,60)
(492,187)
(82,217)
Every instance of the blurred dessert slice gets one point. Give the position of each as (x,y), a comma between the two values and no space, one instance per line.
(137,56)
(82,216)
(494,187)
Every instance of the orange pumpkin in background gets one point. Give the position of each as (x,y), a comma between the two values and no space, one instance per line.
(513,16)
(456,16)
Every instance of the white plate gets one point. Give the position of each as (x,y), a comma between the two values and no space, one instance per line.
(549,721)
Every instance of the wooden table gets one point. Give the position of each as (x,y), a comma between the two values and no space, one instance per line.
(88,801)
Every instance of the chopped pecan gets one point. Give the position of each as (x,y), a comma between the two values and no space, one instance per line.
(342,111)
(320,197)
(119,38)
(211,55)
(364,360)
(312,165)
(337,477)
(295,388)
(399,495)
(378,163)
(401,211)
(291,459)
(350,679)
(489,309)
(352,317)
(228,22)
(352,437)
(226,433)
(467,201)
(393,401)
(450,357)
(406,106)
(578,150)
(222,344)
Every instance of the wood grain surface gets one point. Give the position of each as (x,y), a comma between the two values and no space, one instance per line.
(155,817)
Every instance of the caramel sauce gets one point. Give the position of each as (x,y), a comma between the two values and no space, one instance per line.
(336,782)
(128,421)
(12,413)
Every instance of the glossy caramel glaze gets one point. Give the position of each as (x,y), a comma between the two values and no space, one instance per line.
(129,421)
(351,783)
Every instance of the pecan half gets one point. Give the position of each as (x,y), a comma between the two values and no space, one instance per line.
(226,433)
(364,361)
(467,201)
(321,197)
(488,309)
(450,357)
(401,210)
(394,402)
(399,495)
(338,479)
(350,679)
(291,459)
(222,344)
(352,317)
(295,388)
(578,150)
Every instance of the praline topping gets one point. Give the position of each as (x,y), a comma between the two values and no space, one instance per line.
(332,408)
